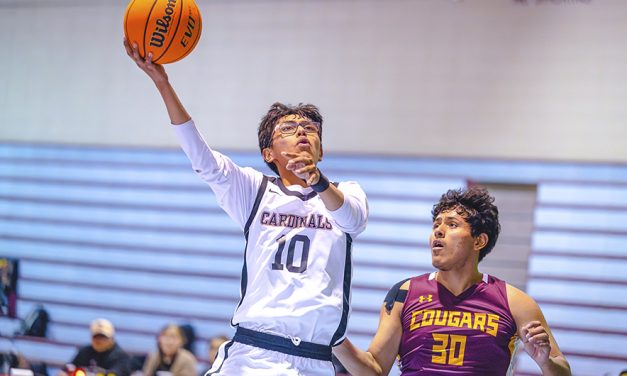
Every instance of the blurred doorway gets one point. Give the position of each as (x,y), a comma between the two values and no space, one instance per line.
(509,260)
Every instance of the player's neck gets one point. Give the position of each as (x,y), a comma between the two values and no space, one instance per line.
(457,282)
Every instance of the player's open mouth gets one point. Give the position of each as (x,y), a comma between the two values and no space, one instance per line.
(437,244)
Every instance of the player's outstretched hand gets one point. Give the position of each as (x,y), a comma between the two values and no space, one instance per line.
(155,71)
(536,341)
(302,165)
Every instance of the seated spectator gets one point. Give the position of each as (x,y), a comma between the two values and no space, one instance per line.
(170,356)
(103,355)
(214,345)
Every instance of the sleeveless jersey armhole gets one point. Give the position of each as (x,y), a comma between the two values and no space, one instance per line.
(395,295)
(253,212)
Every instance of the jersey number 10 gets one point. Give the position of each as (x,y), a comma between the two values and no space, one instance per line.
(291,249)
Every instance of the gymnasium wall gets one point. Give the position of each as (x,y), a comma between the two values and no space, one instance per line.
(491,78)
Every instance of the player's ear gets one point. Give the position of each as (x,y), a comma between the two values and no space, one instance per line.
(481,241)
(268,155)
(321,152)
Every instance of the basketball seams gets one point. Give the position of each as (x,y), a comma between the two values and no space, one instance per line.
(128,10)
(173,33)
(127,32)
(191,48)
(146,27)
(197,36)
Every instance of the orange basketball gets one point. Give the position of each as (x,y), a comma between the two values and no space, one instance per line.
(170,29)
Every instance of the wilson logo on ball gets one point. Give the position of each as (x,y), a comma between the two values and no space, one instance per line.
(169,29)
(163,25)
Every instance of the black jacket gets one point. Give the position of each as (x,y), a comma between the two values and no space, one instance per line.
(115,360)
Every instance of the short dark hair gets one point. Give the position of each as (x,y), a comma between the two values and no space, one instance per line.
(477,207)
(276,112)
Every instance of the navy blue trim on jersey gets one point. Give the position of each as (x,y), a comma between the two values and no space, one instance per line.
(253,213)
(226,355)
(279,183)
(348,274)
(281,344)
(283,188)
(395,295)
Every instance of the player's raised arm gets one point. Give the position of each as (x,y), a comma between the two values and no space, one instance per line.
(156,72)
(297,255)
(535,334)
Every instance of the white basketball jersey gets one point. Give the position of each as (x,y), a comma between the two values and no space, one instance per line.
(296,276)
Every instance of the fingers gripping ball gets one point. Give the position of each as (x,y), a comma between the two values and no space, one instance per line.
(169,29)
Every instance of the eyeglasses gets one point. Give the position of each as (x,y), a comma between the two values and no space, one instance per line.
(288,128)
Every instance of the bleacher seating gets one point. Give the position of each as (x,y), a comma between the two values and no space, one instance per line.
(134,236)
(576,271)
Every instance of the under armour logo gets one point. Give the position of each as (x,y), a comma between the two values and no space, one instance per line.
(422,298)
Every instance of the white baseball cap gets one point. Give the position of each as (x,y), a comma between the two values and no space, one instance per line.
(102,327)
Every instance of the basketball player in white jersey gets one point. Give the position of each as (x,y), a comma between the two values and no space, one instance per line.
(295,288)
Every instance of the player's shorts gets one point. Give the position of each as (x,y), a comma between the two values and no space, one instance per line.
(253,353)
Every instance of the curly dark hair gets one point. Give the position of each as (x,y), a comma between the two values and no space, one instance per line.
(477,207)
(277,111)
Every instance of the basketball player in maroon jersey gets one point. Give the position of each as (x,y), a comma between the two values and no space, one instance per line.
(457,321)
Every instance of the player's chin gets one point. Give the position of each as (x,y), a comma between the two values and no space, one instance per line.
(438,263)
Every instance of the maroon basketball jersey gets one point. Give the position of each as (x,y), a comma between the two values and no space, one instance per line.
(443,334)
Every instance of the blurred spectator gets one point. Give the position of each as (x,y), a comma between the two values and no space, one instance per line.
(8,284)
(171,356)
(103,355)
(190,336)
(214,345)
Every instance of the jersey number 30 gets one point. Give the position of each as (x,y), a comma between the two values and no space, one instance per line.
(452,345)
(300,241)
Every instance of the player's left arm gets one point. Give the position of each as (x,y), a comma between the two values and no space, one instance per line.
(536,335)
(352,215)
(384,348)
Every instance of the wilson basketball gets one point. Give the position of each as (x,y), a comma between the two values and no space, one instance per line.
(170,29)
